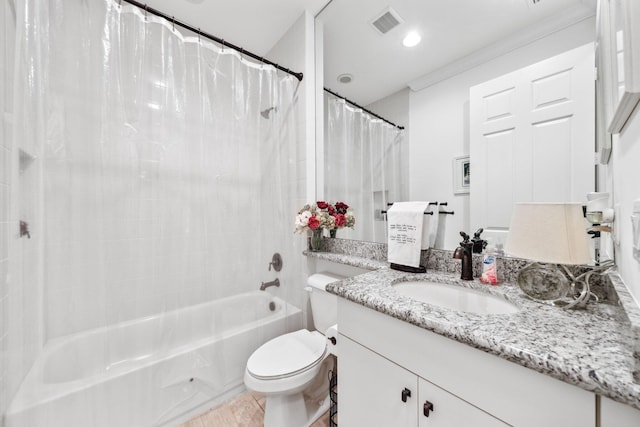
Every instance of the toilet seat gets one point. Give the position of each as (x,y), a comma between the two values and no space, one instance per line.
(287,355)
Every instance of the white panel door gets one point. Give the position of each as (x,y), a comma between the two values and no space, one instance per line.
(532,138)
(616,414)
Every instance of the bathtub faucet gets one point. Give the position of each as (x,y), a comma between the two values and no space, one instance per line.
(265,285)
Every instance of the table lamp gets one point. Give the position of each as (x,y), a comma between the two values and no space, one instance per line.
(552,233)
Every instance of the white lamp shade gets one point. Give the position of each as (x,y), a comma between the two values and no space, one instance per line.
(549,232)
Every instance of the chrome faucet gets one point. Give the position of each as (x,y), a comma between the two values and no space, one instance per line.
(464,252)
(265,285)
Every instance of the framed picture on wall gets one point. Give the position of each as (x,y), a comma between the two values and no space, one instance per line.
(461,175)
(624,22)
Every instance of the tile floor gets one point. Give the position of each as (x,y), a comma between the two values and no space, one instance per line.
(246,410)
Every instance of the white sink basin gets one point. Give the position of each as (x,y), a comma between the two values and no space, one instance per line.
(455,297)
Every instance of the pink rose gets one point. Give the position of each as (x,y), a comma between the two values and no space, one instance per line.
(341,220)
(313,223)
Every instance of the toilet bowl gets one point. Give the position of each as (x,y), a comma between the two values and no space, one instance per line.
(291,370)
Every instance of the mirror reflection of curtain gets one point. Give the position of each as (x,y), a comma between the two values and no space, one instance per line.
(362,158)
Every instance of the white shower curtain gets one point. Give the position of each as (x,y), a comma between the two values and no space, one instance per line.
(363,167)
(157,183)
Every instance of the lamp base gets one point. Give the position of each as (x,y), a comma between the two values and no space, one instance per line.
(555,285)
(543,282)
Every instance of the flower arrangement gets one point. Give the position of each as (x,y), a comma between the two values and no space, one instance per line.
(323,215)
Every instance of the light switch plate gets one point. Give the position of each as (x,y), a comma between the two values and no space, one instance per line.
(635,223)
(615,235)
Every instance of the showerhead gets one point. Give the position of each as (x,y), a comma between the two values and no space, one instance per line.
(265,113)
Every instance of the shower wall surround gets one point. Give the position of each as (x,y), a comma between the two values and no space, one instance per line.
(296,48)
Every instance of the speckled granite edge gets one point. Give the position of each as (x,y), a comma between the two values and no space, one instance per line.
(354,261)
(369,250)
(442,260)
(508,269)
(632,310)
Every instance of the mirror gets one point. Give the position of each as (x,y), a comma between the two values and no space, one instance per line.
(426,89)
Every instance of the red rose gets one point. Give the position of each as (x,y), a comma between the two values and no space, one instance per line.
(331,210)
(342,207)
(322,205)
(313,222)
(341,220)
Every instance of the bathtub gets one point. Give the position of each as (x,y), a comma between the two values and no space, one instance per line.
(157,370)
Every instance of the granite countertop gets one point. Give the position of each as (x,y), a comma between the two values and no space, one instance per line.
(592,348)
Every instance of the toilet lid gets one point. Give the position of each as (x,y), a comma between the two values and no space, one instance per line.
(287,355)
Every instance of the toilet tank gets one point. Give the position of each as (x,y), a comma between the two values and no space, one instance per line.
(324,306)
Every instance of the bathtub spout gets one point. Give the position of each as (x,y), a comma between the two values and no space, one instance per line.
(265,285)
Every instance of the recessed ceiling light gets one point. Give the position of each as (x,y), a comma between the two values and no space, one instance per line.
(411,39)
(345,78)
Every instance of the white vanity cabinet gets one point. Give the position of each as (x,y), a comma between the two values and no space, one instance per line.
(439,408)
(614,414)
(379,392)
(371,389)
(379,356)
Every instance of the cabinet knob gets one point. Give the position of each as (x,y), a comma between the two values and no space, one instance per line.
(405,393)
(427,408)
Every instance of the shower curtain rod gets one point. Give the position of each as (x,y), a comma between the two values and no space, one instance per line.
(218,40)
(363,109)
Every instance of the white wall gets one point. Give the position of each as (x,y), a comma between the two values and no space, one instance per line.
(623,184)
(296,51)
(394,108)
(439,117)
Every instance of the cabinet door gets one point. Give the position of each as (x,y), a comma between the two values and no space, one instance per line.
(446,410)
(370,389)
(615,414)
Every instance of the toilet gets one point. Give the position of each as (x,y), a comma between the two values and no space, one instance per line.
(291,370)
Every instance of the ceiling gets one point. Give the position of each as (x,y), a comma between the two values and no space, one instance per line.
(454,32)
(255,25)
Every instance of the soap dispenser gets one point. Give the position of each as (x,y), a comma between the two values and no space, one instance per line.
(490,267)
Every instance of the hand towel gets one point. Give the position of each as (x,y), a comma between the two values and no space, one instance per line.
(405,221)
(429,228)
(440,230)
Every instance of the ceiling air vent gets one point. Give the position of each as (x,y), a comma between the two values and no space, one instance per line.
(386,21)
